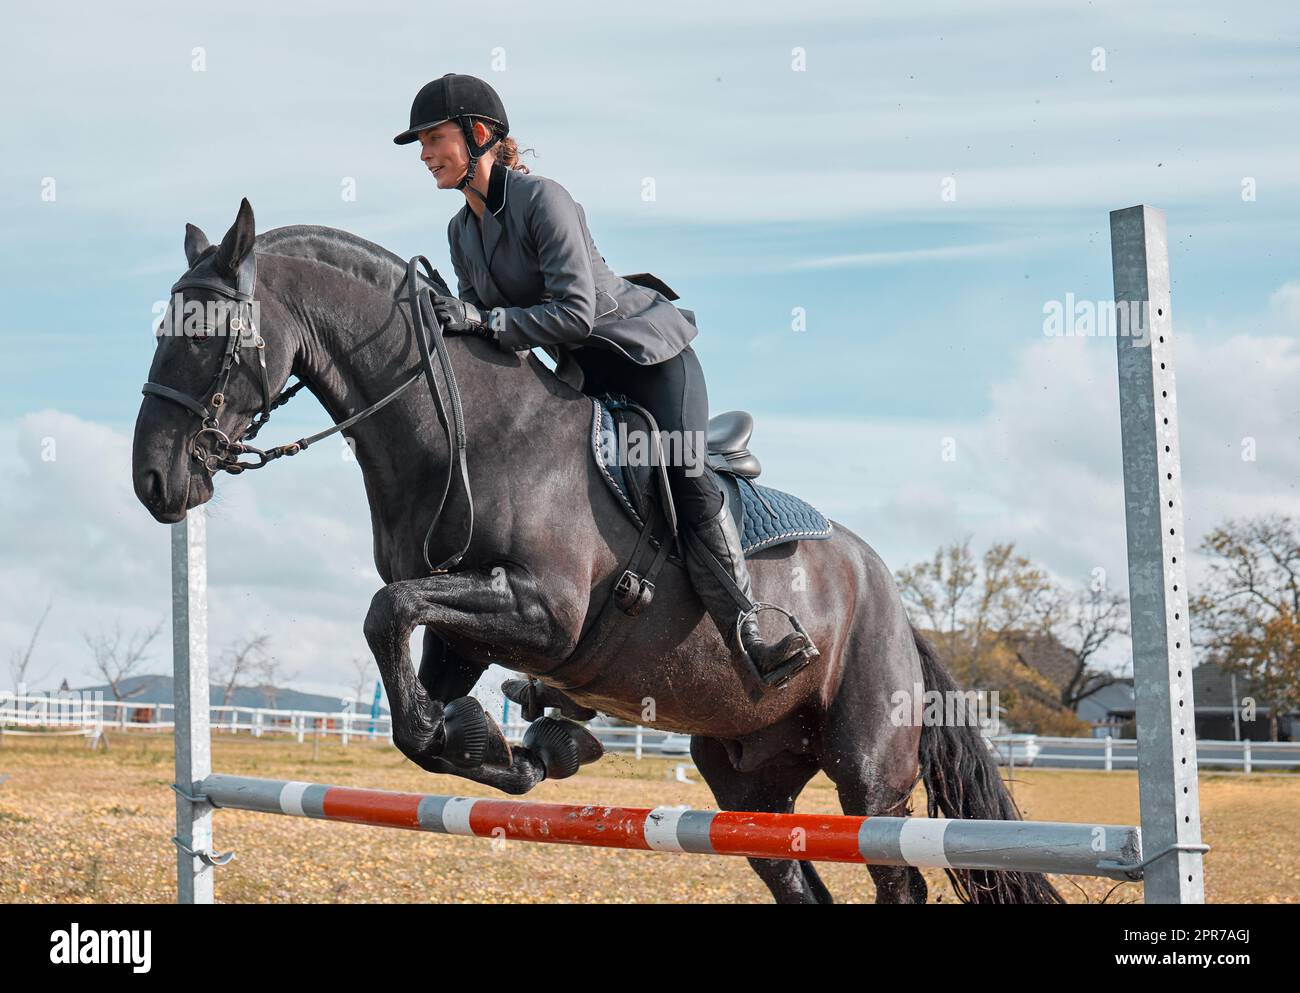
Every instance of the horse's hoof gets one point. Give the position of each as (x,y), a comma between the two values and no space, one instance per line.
(562,746)
(473,738)
(534,696)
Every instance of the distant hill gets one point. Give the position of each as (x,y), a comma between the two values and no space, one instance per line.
(158,689)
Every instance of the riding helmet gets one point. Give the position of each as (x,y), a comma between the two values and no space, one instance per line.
(457,97)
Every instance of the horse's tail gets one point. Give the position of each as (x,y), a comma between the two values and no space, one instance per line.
(962,780)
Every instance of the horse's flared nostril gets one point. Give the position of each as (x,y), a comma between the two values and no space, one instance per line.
(152,488)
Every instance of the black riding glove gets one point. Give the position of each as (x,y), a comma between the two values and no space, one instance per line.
(457,315)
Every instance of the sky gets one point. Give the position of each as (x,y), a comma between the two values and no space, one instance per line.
(920,181)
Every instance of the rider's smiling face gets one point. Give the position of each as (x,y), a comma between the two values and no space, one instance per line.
(443,151)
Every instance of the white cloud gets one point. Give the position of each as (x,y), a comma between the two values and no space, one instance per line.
(947,253)
(731,134)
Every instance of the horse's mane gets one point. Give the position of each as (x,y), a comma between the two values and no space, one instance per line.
(350,254)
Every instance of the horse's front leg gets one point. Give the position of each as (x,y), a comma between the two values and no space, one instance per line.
(503,607)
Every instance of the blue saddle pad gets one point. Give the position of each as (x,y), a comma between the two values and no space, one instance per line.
(765,517)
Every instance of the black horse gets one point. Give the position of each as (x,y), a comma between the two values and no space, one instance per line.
(548,541)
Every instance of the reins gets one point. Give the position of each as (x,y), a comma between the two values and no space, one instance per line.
(224,453)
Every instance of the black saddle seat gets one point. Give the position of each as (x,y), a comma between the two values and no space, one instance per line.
(728,444)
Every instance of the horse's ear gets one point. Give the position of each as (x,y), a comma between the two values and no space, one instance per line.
(238,241)
(196,243)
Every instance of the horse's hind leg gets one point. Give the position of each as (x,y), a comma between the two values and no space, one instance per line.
(894,883)
(771,788)
(870,755)
(874,772)
(874,763)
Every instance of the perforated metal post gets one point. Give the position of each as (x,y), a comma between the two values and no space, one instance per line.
(1153,505)
(190,696)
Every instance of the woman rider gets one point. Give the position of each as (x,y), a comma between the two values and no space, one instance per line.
(529,275)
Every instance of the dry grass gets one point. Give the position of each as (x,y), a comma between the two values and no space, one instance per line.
(80,826)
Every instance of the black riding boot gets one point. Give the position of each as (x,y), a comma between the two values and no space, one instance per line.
(717,538)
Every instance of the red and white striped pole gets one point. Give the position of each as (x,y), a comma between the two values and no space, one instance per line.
(1031,846)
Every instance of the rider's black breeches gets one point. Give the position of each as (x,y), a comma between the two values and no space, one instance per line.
(675,394)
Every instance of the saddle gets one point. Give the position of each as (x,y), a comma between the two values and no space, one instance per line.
(764,517)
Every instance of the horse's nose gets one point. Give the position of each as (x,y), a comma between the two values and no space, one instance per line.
(149,489)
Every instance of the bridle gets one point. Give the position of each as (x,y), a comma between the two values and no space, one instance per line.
(223,454)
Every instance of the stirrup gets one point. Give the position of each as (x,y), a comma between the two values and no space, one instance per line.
(781,674)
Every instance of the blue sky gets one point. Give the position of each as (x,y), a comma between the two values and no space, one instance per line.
(799,156)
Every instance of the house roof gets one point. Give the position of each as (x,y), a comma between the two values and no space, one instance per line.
(1047,656)
(1115,700)
(1212,688)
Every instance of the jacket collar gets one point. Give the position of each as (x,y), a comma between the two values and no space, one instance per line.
(496,197)
(498,186)
(485,238)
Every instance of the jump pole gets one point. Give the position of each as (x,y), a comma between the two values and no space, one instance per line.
(1030,846)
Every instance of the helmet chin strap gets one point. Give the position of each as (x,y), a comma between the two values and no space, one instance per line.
(464,184)
(476,152)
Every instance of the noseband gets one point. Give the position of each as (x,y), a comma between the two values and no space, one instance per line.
(224,453)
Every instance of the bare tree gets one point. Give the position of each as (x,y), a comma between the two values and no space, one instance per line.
(938,589)
(270,675)
(1097,616)
(363,668)
(975,608)
(242,661)
(1002,622)
(118,657)
(1247,620)
(21,660)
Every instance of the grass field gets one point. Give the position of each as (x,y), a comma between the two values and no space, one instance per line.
(95,827)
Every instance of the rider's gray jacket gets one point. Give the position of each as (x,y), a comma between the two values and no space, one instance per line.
(535,265)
